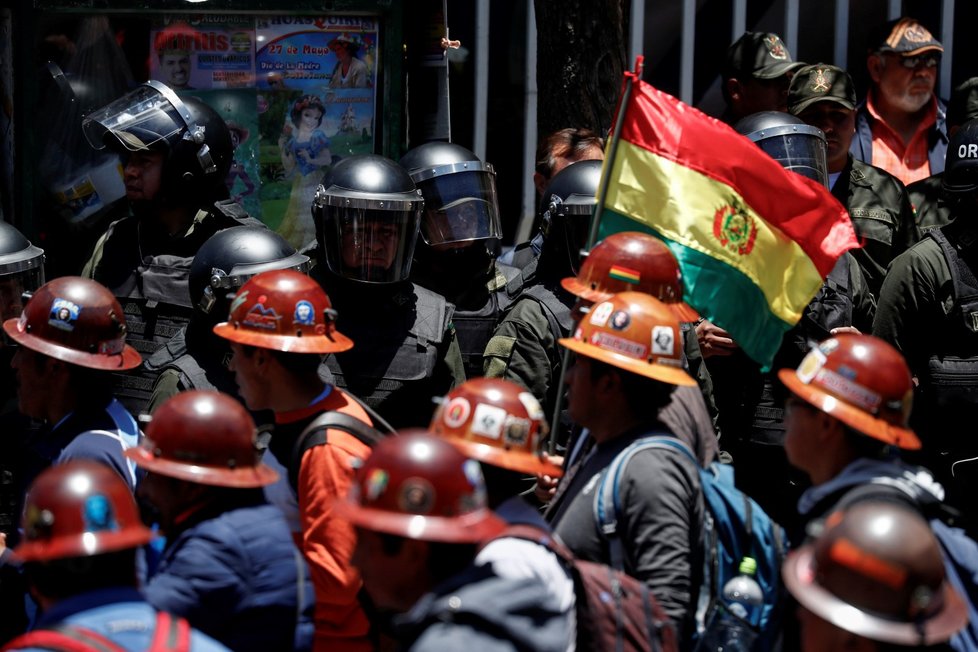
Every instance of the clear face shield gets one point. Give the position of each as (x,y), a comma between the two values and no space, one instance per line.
(147,118)
(460,203)
(368,240)
(799,148)
(19,273)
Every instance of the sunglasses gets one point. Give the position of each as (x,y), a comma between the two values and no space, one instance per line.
(921,61)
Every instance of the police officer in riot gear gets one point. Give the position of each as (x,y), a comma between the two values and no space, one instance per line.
(176,154)
(460,231)
(928,311)
(195,358)
(367,215)
(523,347)
(750,403)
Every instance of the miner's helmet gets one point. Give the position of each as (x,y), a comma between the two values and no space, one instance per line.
(367,213)
(797,146)
(283,310)
(79,509)
(459,191)
(877,571)
(203,437)
(194,139)
(495,421)
(418,486)
(75,320)
(860,380)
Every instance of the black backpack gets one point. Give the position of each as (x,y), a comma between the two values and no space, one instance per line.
(315,434)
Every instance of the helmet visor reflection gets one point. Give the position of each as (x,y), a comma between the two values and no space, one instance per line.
(460,207)
(370,245)
(144,119)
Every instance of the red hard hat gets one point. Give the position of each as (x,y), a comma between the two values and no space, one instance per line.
(630,261)
(635,332)
(495,421)
(75,320)
(204,437)
(877,571)
(862,381)
(78,509)
(418,486)
(284,310)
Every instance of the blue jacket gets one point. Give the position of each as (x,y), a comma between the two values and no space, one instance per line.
(119,614)
(238,577)
(862,144)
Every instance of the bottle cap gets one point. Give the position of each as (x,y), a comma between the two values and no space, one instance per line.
(748,566)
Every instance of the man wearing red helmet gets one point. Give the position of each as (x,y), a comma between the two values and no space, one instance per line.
(628,362)
(280,325)
(847,419)
(420,510)
(229,565)
(81,533)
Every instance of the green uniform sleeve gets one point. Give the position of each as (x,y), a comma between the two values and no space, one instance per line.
(167,384)
(88,271)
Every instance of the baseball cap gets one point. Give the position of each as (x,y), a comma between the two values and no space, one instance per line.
(762,55)
(820,82)
(906,37)
(963,105)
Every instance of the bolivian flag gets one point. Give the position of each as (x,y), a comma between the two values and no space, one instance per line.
(754,241)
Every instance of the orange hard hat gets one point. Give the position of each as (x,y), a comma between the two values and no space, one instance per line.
(634,332)
(630,261)
(418,486)
(862,381)
(495,421)
(204,437)
(78,321)
(283,310)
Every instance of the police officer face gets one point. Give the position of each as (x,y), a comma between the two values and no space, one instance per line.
(371,244)
(753,95)
(839,125)
(143,175)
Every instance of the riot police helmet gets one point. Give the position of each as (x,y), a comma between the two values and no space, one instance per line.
(232,256)
(459,194)
(194,139)
(367,213)
(21,270)
(797,146)
(961,165)
(567,207)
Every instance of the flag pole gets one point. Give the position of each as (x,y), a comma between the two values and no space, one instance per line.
(609,157)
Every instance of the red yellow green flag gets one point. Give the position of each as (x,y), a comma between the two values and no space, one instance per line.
(754,241)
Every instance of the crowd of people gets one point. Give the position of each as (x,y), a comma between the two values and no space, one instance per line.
(395,437)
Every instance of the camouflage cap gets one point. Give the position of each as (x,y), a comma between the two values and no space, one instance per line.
(820,82)
(963,105)
(762,55)
(906,37)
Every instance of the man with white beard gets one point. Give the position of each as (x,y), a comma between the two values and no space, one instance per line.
(900,127)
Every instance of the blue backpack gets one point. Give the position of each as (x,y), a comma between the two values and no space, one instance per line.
(734,527)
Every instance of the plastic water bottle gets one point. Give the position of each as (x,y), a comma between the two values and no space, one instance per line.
(731,629)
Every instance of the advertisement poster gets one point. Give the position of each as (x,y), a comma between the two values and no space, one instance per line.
(316,103)
(202,52)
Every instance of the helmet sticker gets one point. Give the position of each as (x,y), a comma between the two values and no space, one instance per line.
(239,301)
(532,405)
(620,320)
(261,317)
(417,496)
(473,473)
(488,421)
(456,412)
(600,314)
(63,315)
(663,341)
(810,366)
(111,347)
(849,391)
(98,514)
(304,314)
(375,484)
(516,431)
(620,345)
(626,274)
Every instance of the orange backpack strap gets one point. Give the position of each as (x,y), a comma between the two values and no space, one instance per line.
(172,634)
